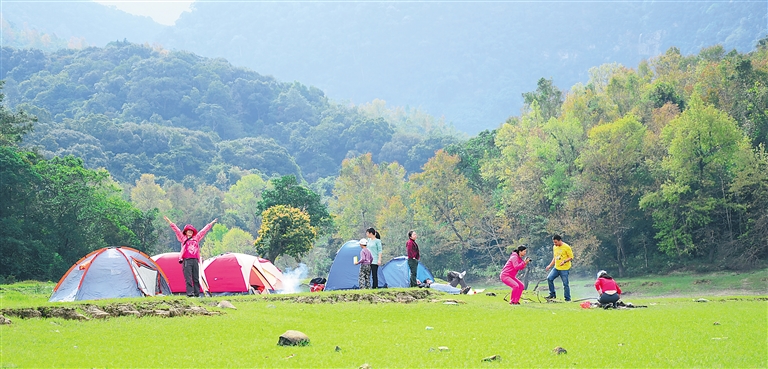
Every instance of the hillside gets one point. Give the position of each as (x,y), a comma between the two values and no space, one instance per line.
(133,109)
(468,61)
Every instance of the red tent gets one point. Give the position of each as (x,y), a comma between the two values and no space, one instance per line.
(169,263)
(240,273)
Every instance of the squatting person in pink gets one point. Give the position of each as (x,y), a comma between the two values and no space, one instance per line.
(190,253)
(607,288)
(509,273)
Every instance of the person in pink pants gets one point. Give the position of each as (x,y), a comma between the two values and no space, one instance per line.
(508,275)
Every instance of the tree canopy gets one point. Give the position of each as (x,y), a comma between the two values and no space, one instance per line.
(135,109)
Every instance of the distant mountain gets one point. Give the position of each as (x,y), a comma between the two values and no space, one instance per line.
(468,61)
(94,23)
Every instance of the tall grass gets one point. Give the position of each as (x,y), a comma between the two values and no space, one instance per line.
(671,332)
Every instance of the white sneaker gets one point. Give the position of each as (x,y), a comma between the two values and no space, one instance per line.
(462,274)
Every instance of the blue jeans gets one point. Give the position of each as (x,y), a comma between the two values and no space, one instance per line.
(564,277)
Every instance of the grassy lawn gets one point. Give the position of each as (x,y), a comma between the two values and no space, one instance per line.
(671,332)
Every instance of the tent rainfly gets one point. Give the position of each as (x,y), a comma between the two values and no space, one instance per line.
(235,273)
(169,263)
(344,273)
(397,273)
(111,272)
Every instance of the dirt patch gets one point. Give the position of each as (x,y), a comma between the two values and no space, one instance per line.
(400,296)
(734,299)
(702,281)
(92,311)
(650,284)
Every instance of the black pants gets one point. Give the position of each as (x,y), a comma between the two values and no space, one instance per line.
(374,276)
(454,279)
(192,277)
(413,265)
(608,299)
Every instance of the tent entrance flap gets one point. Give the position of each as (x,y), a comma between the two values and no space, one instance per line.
(259,280)
(147,279)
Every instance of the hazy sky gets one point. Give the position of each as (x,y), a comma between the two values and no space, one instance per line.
(162,11)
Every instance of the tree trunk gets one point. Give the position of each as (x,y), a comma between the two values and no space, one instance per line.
(620,253)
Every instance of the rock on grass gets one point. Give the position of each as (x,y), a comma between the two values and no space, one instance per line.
(559,350)
(293,338)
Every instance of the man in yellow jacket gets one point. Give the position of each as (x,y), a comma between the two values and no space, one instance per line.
(563,255)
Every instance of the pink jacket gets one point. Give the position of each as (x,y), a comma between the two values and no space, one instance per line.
(190,247)
(514,265)
(604,284)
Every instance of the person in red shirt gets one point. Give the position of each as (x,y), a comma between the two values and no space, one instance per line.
(189,255)
(413,257)
(607,288)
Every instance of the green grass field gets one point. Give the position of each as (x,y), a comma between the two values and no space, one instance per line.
(727,331)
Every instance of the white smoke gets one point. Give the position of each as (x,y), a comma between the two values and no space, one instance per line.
(292,278)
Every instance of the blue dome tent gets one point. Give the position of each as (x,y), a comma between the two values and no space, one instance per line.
(343,274)
(397,274)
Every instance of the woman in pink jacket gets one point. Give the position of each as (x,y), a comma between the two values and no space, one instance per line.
(608,289)
(190,253)
(509,273)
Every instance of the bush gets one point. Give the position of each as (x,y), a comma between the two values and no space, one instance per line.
(7,280)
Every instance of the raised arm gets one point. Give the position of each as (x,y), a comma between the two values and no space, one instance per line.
(176,230)
(199,236)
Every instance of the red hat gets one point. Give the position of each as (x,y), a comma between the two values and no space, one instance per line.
(189,227)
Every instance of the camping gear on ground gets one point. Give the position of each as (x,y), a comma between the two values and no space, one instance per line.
(344,273)
(317,284)
(173,270)
(111,272)
(443,287)
(235,273)
(397,274)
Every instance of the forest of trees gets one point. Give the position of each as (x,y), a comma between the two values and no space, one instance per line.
(135,109)
(641,170)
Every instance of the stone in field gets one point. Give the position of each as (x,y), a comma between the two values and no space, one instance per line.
(293,338)
(224,304)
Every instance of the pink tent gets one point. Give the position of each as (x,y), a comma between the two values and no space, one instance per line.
(169,263)
(241,273)
(274,275)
